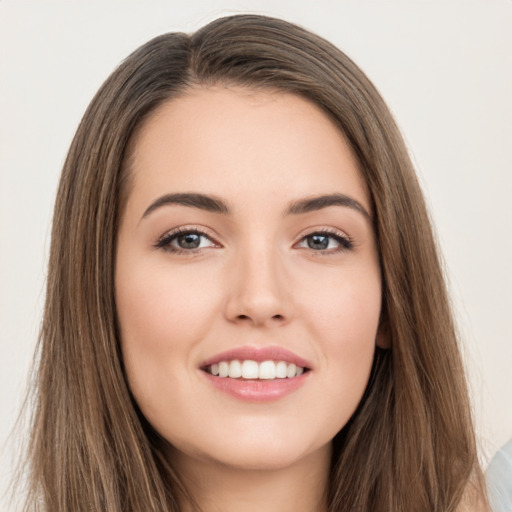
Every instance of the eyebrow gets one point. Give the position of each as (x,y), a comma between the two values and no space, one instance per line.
(217,205)
(310,204)
(194,200)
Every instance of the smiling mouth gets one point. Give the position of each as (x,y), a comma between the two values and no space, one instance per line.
(253,370)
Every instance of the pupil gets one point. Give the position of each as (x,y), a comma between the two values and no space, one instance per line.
(318,242)
(189,241)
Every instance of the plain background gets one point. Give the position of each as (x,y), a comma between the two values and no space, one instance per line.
(443,66)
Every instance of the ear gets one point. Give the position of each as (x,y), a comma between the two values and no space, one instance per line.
(383,339)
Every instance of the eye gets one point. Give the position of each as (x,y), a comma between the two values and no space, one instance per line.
(185,240)
(326,241)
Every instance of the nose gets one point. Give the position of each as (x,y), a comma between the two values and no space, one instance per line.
(258,294)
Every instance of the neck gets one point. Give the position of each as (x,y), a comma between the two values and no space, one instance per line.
(300,487)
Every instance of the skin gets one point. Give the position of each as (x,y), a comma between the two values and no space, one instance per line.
(254,281)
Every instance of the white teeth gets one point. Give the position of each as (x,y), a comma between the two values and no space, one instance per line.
(223,369)
(281,370)
(249,369)
(267,370)
(291,370)
(235,369)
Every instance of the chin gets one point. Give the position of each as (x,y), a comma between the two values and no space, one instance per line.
(261,459)
(256,450)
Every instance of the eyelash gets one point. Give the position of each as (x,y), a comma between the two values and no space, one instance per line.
(165,241)
(345,243)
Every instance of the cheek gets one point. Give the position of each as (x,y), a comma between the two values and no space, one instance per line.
(344,310)
(350,319)
(343,317)
(159,308)
(163,316)
(350,340)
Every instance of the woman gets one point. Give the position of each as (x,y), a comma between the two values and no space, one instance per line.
(245,305)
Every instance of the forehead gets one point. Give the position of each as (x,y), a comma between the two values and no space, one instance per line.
(233,140)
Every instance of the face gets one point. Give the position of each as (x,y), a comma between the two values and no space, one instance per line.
(247,279)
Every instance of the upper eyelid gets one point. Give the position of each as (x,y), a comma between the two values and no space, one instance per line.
(170,235)
(342,238)
(345,242)
(325,231)
(305,232)
(189,229)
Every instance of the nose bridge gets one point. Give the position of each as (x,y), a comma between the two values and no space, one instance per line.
(257,292)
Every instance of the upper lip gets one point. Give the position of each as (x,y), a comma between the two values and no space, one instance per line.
(258,354)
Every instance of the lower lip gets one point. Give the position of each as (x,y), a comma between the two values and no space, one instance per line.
(257,390)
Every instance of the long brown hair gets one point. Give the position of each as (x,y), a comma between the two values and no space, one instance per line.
(410,445)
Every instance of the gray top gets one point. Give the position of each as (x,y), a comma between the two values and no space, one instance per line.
(499,479)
